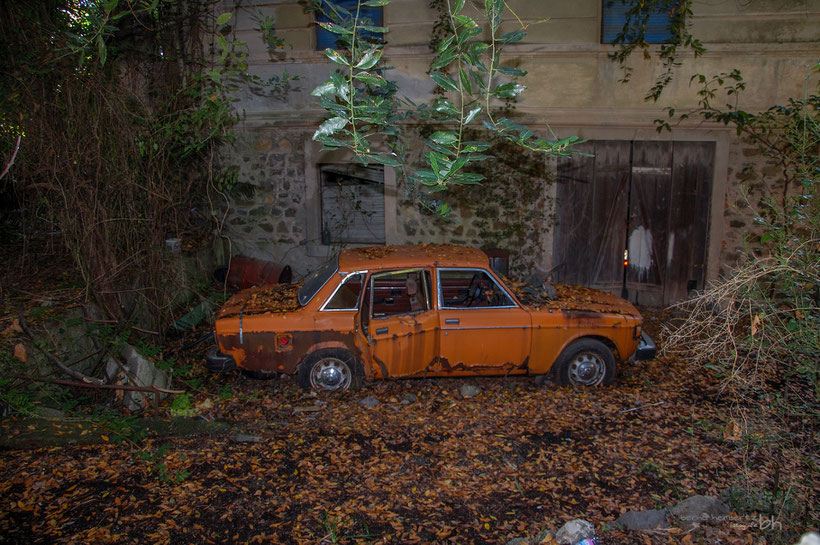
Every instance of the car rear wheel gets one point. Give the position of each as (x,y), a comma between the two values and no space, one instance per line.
(585,363)
(330,370)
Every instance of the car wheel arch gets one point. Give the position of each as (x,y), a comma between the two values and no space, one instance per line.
(342,357)
(599,351)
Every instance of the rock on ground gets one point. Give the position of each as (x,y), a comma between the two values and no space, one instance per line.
(574,531)
(468,390)
(136,371)
(644,520)
(699,509)
(369,401)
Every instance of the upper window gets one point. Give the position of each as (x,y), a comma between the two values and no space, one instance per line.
(470,288)
(345,11)
(630,20)
(352,204)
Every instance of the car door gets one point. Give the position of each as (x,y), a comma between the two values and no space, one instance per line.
(399,322)
(482,329)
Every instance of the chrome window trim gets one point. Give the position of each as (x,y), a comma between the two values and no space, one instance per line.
(345,279)
(492,277)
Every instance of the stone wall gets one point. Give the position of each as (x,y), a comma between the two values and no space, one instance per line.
(268,213)
(268,220)
(752,177)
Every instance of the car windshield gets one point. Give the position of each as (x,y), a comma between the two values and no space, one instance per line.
(315,281)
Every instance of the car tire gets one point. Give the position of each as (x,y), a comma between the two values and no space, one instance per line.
(585,363)
(331,369)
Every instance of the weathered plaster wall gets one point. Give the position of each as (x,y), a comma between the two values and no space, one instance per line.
(573,86)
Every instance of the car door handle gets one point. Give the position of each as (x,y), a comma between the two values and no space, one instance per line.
(381,331)
(452,321)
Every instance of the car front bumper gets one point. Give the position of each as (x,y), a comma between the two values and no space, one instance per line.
(217,362)
(646,349)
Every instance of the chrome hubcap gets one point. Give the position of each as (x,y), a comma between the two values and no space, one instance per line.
(587,369)
(330,374)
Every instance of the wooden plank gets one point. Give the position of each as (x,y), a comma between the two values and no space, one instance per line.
(648,214)
(606,225)
(688,217)
(573,204)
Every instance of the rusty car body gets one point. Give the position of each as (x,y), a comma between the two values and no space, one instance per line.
(422,311)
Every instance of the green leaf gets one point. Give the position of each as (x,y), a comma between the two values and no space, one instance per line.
(335,29)
(464,21)
(332,143)
(510,71)
(330,126)
(471,146)
(511,37)
(508,90)
(373,79)
(445,43)
(323,89)
(471,114)
(434,159)
(369,59)
(468,33)
(465,80)
(459,5)
(101,49)
(444,59)
(468,178)
(224,18)
(445,138)
(336,57)
(375,3)
(444,81)
(426,176)
(390,160)
(445,106)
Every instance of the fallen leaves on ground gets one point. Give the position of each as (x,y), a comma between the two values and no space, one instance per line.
(423,466)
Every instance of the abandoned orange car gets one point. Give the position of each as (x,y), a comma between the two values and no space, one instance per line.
(422,311)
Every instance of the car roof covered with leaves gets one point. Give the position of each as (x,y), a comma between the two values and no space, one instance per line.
(423,255)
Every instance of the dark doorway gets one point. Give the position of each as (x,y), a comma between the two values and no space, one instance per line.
(646,203)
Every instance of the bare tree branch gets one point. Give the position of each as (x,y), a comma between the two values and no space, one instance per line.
(53,359)
(13,156)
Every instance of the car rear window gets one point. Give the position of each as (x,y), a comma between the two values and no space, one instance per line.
(315,281)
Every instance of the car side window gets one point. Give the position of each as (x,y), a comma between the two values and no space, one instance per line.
(399,292)
(470,288)
(346,296)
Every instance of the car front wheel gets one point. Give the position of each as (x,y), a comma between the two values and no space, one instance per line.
(585,363)
(330,370)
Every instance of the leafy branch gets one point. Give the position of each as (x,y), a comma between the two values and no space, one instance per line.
(468,72)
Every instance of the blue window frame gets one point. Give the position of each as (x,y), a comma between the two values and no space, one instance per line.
(658,21)
(372,16)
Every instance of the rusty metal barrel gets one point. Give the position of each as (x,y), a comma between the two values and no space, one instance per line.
(246,272)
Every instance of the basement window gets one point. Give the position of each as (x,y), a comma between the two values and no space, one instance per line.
(352,204)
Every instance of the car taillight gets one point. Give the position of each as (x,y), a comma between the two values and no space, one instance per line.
(283,341)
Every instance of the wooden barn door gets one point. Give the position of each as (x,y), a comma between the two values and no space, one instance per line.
(647,201)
